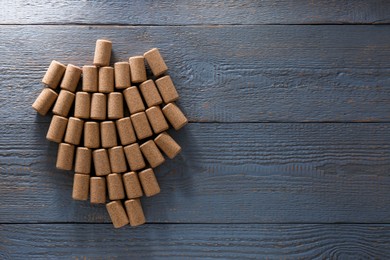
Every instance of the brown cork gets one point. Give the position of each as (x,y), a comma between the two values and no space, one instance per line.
(108,134)
(150,93)
(115,186)
(57,129)
(134,157)
(149,182)
(91,135)
(97,190)
(64,103)
(65,156)
(126,131)
(175,116)
(152,153)
(135,212)
(156,119)
(82,106)
(90,78)
(106,79)
(141,125)
(98,106)
(74,131)
(137,69)
(44,101)
(122,75)
(168,145)
(117,159)
(132,186)
(54,74)
(133,100)
(115,105)
(102,53)
(117,214)
(80,187)
(156,62)
(167,89)
(83,160)
(71,78)
(101,162)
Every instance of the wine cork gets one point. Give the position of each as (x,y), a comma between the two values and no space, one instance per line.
(133,100)
(117,214)
(137,69)
(117,159)
(122,75)
(74,131)
(132,186)
(102,53)
(83,160)
(135,212)
(106,79)
(71,78)
(98,106)
(90,78)
(97,190)
(57,129)
(167,89)
(64,103)
(54,74)
(134,157)
(82,106)
(141,125)
(126,131)
(108,134)
(150,93)
(156,62)
(175,116)
(101,162)
(115,186)
(168,145)
(65,156)
(80,187)
(156,119)
(91,135)
(115,105)
(149,182)
(44,101)
(152,153)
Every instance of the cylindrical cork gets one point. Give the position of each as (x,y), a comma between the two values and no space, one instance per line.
(65,156)
(134,157)
(101,162)
(98,106)
(167,89)
(82,107)
(74,131)
(102,53)
(71,78)
(175,116)
(64,103)
(117,159)
(97,190)
(115,186)
(115,105)
(108,134)
(168,145)
(57,129)
(44,101)
(91,135)
(150,93)
(117,214)
(54,74)
(149,182)
(157,119)
(83,160)
(141,125)
(122,75)
(126,131)
(80,187)
(133,100)
(152,154)
(90,78)
(156,62)
(132,186)
(137,69)
(135,212)
(106,79)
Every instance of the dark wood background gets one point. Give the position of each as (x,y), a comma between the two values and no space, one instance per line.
(287,154)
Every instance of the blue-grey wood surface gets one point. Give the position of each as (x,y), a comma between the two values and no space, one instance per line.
(287,154)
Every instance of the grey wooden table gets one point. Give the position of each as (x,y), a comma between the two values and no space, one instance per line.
(287,154)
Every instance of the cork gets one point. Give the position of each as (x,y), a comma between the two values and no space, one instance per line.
(141,125)
(65,156)
(80,186)
(117,214)
(115,186)
(44,101)
(57,129)
(64,103)
(74,131)
(71,78)
(156,119)
(150,93)
(90,78)
(83,160)
(97,190)
(102,53)
(108,134)
(54,74)
(133,100)
(167,89)
(134,157)
(168,145)
(115,105)
(117,159)
(175,116)
(122,75)
(101,162)
(82,106)
(132,186)
(91,135)
(106,79)
(135,212)
(137,69)
(98,106)
(126,131)
(152,154)
(149,182)
(156,62)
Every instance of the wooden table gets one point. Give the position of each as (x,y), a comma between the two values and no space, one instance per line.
(287,154)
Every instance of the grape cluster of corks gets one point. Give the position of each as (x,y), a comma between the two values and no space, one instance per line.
(112,147)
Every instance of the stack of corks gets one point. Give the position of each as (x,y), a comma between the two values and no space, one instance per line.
(117,133)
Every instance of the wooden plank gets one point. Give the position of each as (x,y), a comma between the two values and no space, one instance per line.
(279,73)
(227,173)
